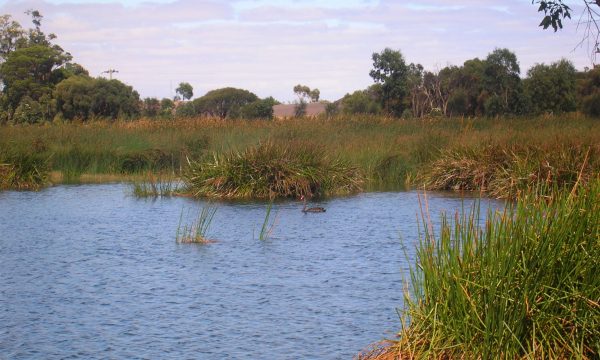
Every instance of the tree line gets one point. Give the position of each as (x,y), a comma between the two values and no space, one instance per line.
(39,82)
(480,87)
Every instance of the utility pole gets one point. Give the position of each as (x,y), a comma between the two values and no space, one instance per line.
(110,72)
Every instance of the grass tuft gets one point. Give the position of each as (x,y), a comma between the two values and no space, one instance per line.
(270,170)
(268,226)
(196,233)
(23,171)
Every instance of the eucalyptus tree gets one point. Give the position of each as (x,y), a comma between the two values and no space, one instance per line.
(390,70)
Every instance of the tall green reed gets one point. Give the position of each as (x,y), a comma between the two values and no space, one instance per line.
(268,226)
(196,232)
(525,285)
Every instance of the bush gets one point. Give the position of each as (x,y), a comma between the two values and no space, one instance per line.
(590,104)
(260,109)
(29,111)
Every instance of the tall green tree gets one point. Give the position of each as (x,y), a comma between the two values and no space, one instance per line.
(11,35)
(390,70)
(502,80)
(30,66)
(185,90)
(31,71)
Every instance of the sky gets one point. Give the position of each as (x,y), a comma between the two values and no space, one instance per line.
(268,46)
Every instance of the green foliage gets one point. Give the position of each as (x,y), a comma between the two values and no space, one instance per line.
(591,104)
(11,35)
(553,12)
(525,285)
(151,107)
(502,80)
(223,103)
(29,111)
(390,70)
(186,109)
(167,107)
(494,106)
(185,90)
(551,88)
(458,102)
(28,72)
(360,102)
(589,91)
(259,109)
(271,170)
(82,98)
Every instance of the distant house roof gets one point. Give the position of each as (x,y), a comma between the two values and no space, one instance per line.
(288,110)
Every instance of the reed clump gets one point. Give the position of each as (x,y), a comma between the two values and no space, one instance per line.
(270,170)
(526,285)
(504,170)
(196,232)
(23,171)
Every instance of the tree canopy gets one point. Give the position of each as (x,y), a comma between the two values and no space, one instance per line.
(223,103)
(390,70)
(185,90)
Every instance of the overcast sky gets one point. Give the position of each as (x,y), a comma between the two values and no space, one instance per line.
(268,46)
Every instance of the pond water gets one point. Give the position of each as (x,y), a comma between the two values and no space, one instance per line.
(90,272)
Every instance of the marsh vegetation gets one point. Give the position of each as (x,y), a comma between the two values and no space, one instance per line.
(525,285)
(322,156)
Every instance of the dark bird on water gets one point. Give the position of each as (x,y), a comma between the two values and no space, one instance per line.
(311,209)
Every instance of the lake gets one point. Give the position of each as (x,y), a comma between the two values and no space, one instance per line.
(91,272)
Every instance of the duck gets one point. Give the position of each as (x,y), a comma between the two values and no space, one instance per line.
(306,209)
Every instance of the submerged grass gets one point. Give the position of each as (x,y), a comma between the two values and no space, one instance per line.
(271,170)
(155,185)
(525,286)
(196,233)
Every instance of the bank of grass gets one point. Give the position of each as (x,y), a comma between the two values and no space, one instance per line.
(524,286)
(390,153)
